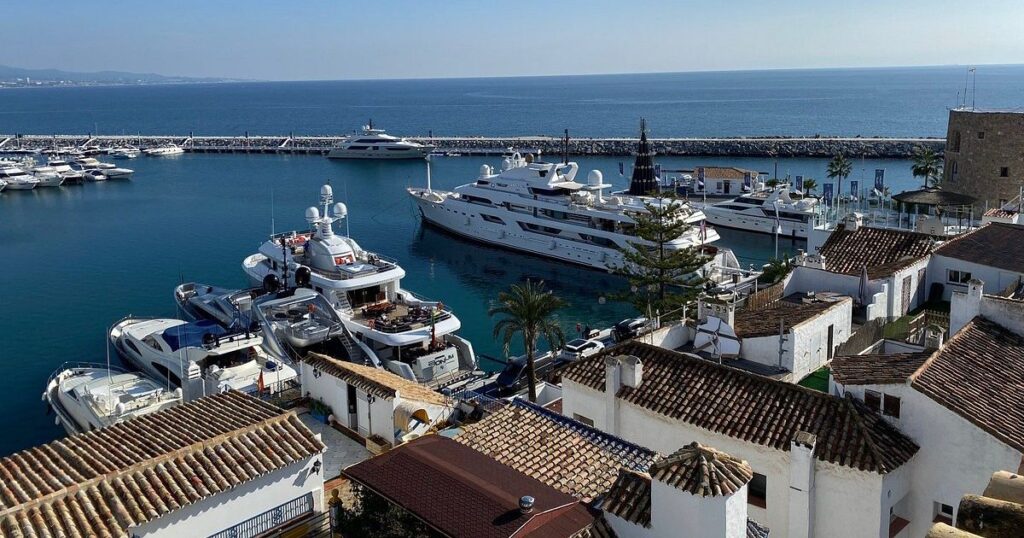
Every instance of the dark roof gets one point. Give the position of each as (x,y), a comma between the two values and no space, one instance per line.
(996,245)
(793,310)
(702,470)
(752,408)
(979,375)
(934,196)
(103,482)
(883,251)
(876,369)
(464,493)
(630,497)
(561,452)
(756,530)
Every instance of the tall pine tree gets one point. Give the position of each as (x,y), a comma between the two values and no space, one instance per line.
(663,278)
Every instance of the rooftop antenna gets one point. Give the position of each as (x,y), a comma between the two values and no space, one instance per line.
(974,86)
(967,78)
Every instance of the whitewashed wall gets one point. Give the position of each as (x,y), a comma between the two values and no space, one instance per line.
(806,347)
(248,500)
(996,280)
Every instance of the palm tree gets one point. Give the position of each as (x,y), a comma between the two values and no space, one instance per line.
(528,310)
(839,167)
(927,165)
(772,183)
(810,184)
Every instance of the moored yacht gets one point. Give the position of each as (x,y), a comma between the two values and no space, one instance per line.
(375,144)
(201,357)
(163,151)
(766,212)
(47,176)
(87,397)
(124,152)
(70,175)
(410,335)
(16,178)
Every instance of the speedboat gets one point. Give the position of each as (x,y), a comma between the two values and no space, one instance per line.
(17,179)
(201,357)
(87,397)
(47,176)
(62,167)
(92,163)
(411,335)
(375,144)
(124,152)
(768,212)
(165,150)
(118,173)
(94,175)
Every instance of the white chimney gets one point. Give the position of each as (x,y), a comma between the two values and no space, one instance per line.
(853,222)
(632,371)
(801,485)
(965,306)
(612,384)
(722,307)
(933,337)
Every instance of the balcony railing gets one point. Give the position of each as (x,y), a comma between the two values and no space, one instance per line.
(271,519)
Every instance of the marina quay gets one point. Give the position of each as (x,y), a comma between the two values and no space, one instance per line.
(309,271)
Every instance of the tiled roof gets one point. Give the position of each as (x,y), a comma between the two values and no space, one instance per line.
(756,530)
(752,408)
(702,471)
(561,452)
(876,369)
(375,381)
(996,245)
(793,310)
(464,493)
(882,251)
(103,482)
(725,172)
(1000,213)
(979,375)
(630,497)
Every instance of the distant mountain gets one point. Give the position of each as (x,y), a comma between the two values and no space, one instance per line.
(8,73)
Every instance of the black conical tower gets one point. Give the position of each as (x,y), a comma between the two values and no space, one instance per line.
(643,180)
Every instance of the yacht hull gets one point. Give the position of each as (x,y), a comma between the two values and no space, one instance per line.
(754,223)
(342,153)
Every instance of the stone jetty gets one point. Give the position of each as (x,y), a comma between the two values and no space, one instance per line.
(818,146)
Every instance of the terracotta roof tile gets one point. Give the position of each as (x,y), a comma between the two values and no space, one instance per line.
(630,497)
(464,493)
(882,251)
(702,471)
(380,383)
(793,310)
(563,453)
(979,375)
(102,482)
(996,244)
(876,369)
(752,408)
(724,172)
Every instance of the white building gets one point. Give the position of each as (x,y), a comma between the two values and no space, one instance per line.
(223,465)
(794,336)
(885,270)
(962,403)
(371,401)
(823,465)
(992,254)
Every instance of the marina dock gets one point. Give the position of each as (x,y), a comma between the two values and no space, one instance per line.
(822,147)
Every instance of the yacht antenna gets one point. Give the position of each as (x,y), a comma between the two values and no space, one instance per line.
(272,227)
(428,173)
(110,380)
(565,148)
(345,193)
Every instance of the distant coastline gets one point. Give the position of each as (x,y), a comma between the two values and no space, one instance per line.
(17,77)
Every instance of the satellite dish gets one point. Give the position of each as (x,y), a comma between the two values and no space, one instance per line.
(326,191)
(312,214)
(717,338)
(340,210)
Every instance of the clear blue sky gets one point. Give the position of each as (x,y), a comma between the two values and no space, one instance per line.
(339,39)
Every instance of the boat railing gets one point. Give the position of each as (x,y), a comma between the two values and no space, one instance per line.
(74,365)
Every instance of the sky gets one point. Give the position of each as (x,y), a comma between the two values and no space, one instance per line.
(342,39)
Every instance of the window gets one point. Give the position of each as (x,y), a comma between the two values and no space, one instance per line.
(956,140)
(492,218)
(891,406)
(873,399)
(954,167)
(757,491)
(580,418)
(943,513)
(1004,171)
(981,135)
(958,277)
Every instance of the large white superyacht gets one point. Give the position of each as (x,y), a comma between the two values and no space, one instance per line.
(375,144)
(540,208)
(408,334)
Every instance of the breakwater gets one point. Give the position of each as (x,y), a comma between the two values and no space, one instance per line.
(895,148)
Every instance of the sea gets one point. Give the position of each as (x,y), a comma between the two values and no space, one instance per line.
(78,258)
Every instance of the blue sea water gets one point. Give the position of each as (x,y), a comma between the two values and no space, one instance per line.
(77,258)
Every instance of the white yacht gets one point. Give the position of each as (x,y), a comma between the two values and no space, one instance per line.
(87,397)
(124,152)
(69,174)
(3,185)
(92,163)
(765,212)
(201,357)
(375,144)
(94,175)
(47,176)
(539,208)
(165,150)
(410,335)
(16,178)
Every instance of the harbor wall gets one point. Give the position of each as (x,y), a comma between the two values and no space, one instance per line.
(821,147)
